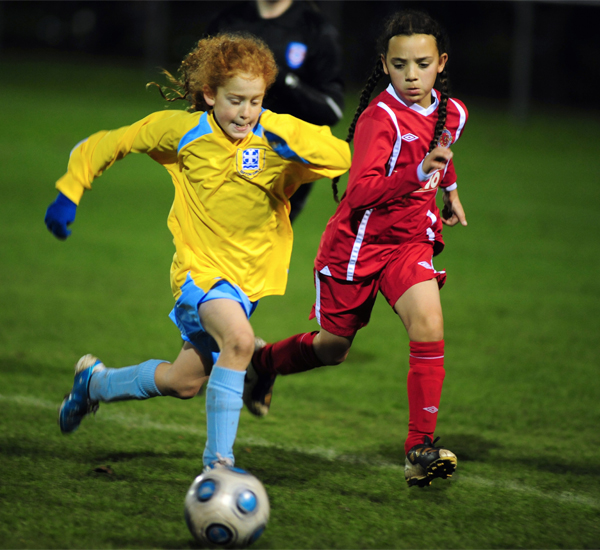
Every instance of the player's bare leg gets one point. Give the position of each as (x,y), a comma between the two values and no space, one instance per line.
(185,376)
(330,348)
(420,309)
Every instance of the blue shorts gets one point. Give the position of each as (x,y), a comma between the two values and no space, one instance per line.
(185,313)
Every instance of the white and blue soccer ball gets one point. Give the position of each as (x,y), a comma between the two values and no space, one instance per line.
(226,508)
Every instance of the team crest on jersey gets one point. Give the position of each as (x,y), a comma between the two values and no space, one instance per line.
(445,139)
(295,54)
(250,162)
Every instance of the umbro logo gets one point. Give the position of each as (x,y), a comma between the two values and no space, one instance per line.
(409,137)
(431,410)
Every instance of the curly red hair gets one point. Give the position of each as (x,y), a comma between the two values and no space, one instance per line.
(214,61)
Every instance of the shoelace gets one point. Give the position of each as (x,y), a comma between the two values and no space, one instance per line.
(223,461)
(430,443)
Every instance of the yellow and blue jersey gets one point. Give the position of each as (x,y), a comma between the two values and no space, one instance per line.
(230,214)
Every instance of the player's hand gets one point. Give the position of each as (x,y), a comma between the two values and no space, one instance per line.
(59,215)
(437,159)
(453,211)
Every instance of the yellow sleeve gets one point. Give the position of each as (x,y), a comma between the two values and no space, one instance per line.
(313,146)
(157,135)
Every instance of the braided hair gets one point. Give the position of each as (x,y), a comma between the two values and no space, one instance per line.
(404,23)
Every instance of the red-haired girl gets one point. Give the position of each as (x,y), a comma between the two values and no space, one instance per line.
(234,166)
(385,232)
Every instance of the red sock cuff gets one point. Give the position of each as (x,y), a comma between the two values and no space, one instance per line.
(294,354)
(427,349)
(308,349)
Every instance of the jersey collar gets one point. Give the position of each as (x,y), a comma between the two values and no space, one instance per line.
(414,106)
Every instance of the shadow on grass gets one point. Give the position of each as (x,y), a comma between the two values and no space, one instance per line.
(35,450)
(23,375)
(469,447)
(125,456)
(19,364)
(285,469)
(473,448)
(360,356)
(557,467)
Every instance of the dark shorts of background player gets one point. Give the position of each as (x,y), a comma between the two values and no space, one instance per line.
(343,307)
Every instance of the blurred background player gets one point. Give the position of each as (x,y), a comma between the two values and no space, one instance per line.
(309,58)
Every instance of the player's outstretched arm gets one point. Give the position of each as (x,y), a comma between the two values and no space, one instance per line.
(453,211)
(59,215)
(314,147)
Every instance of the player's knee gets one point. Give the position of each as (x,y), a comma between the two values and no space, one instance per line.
(333,353)
(429,328)
(241,345)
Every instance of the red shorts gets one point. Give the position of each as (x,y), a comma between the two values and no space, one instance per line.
(343,307)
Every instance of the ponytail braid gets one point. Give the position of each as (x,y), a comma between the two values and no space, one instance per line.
(365,97)
(442,110)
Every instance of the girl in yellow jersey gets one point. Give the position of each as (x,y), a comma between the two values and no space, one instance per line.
(234,167)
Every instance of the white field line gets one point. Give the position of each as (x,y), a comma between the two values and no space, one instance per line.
(144,423)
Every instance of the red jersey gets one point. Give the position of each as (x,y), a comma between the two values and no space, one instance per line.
(389,200)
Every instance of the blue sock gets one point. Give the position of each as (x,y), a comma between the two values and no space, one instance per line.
(223,405)
(136,382)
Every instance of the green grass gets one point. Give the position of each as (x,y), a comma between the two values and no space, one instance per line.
(522,303)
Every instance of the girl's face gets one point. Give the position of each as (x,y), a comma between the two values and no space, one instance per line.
(237,104)
(413,63)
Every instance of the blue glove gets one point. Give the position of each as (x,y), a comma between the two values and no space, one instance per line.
(60,214)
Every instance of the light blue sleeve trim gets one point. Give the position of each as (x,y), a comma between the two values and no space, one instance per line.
(201,129)
(77,145)
(258,129)
(281,147)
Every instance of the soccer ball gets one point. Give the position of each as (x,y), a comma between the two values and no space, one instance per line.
(226,508)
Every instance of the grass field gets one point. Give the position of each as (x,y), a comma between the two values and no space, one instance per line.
(522,305)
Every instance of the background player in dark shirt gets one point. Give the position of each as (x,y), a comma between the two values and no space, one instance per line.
(308,55)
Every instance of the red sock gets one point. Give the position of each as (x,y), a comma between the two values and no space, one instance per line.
(425,379)
(294,354)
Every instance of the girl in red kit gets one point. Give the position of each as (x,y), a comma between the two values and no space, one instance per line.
(385,233)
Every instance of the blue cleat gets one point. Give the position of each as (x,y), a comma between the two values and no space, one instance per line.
(77,404)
